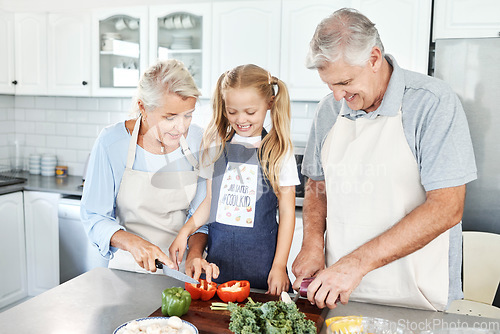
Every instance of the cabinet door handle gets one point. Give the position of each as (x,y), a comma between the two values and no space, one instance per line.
(84,83)
(14,82)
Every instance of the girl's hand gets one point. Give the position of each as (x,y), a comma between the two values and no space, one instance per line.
(177,249)
(195,266)
(144,252)
(277,280)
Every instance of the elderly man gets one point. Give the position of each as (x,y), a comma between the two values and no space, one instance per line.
(388,158)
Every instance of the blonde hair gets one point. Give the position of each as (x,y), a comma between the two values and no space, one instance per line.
(169,76)
(277,143)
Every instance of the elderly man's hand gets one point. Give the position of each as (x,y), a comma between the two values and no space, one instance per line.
(308,262)
(338,280)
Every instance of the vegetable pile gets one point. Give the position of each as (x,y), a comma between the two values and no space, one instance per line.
(273,317)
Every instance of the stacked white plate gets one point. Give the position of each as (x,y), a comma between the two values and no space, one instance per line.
(49,163)
(35,164)
(182,42)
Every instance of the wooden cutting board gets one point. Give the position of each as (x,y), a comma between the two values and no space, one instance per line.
(217,322)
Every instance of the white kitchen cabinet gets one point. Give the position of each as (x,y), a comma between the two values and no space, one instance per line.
(404,27)
(7,68)
(246,32)
(299,22)
(69,54)
(404,30)
(119,50)
(42,240)
(31,53)
(466,19)
(183,32)
(13,280)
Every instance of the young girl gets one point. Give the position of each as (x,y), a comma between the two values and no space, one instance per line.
(250,174)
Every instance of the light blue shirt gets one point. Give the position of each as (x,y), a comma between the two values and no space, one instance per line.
(104,174)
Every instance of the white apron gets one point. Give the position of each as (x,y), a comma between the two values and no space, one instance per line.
(153,205)
(372,182)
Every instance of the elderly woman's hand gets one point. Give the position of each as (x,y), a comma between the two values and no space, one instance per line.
(144,252)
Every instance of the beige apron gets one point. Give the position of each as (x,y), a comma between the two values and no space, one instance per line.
(372,182)
(153,205)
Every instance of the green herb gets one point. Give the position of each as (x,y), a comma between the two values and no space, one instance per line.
(274,317)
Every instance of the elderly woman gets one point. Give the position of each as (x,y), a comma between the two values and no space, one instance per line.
(142,178)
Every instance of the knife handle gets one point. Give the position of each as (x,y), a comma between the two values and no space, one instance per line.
(158,264)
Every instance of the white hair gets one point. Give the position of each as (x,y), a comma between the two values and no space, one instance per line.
(346,34)
(165,76)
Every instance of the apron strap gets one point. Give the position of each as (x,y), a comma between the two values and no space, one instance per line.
(187,153)
(132,146)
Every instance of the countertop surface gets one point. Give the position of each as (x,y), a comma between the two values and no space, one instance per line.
(69,185)
(102,299)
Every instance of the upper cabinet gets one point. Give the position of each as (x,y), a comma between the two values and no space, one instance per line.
(275,35)
(119,50)
(299,22)
(183,32)
(404,28)
(31,53)
(246,32)
(7,73)
(466,19)
(68,54)
(58,54)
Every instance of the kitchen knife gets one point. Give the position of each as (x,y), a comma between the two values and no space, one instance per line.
(175,273)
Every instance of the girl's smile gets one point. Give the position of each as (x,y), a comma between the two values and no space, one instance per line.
(246,111)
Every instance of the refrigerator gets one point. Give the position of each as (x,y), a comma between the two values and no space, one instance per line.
(472,68)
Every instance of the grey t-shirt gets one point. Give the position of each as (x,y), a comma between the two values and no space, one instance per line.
(437,132)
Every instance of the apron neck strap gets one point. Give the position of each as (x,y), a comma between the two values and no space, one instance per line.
(132,146)
(187,152)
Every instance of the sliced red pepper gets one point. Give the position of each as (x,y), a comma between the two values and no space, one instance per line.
(203,291)
(234,291)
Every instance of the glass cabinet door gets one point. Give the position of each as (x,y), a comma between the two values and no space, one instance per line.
(180,32)
(121,55)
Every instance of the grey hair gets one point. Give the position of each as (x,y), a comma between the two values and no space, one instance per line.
(346,34)
(165,76)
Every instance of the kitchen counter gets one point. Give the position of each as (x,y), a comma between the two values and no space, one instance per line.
(70,185)
(102,299)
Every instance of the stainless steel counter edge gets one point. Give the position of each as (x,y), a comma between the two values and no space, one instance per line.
(66,186)
(102,299)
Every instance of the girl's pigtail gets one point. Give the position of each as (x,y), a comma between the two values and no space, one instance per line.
(216,134)
(277,143)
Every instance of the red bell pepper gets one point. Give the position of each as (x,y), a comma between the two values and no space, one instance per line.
(234,291)
(203,291)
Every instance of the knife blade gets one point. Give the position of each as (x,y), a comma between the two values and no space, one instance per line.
(175,273)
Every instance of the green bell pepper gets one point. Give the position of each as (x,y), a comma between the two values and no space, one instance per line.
(175,301)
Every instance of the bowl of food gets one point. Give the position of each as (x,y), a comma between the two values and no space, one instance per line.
(157,325)
(364,325)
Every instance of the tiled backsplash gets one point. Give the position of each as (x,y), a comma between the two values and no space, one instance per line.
(68,126)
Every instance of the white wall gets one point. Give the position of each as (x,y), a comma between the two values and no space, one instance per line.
(68,126)
(7,131)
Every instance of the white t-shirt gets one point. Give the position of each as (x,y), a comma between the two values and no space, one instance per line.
(289,175)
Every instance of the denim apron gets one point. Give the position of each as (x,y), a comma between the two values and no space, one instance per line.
(242,248)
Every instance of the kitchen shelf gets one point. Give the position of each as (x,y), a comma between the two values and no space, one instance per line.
(120,54)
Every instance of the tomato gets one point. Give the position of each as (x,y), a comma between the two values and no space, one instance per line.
(203,291)
(234,291)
